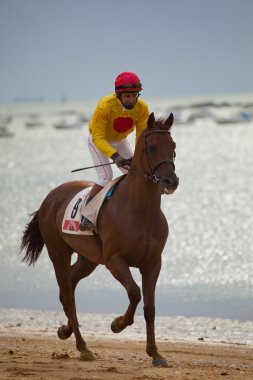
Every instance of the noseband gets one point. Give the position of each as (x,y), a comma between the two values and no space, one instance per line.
(151,175)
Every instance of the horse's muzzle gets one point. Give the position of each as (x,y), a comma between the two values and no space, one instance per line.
(169,185)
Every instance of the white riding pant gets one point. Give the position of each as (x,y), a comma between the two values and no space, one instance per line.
(105,173)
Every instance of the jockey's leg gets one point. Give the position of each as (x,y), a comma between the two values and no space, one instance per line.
(104,174)
(86,223)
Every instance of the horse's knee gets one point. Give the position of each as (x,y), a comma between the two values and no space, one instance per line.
(149,313)
(134,295)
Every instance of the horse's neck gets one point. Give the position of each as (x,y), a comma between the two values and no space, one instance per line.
(142,194)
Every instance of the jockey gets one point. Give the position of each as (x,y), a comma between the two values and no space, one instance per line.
(115,117)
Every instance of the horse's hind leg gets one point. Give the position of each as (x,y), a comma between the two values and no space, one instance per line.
(81,269)
(60,255)
(120,270)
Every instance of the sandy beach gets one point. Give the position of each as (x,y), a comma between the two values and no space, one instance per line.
(30,348)
(36,356)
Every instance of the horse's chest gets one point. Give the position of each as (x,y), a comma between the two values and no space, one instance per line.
(139,249)
(137,243)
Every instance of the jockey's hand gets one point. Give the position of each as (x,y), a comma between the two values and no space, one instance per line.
(128,164)
(120,161)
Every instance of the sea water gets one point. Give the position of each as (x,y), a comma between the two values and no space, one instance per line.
(208,259)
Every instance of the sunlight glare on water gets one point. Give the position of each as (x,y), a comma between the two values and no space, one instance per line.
(208,258)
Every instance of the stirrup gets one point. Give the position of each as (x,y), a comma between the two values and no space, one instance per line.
(86,224)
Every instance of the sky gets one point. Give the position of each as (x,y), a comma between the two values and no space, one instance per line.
(76,48)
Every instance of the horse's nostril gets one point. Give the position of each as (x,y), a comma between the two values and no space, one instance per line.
(168,182)
(171,181)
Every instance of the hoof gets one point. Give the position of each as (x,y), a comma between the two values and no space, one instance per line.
(160,362)
(61,334)
(87,356)
(115,327)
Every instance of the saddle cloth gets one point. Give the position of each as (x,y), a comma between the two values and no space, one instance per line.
(76,209)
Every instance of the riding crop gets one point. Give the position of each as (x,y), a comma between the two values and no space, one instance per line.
(91,167)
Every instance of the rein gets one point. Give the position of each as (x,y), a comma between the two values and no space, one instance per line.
(151,175)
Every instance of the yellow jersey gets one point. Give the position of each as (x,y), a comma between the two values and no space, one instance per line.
(112,122)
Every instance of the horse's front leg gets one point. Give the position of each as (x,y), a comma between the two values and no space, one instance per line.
(120,270)
(149,278)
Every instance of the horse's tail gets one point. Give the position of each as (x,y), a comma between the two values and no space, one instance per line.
(32,240)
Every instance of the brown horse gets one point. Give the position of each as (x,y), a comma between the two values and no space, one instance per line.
(132,229)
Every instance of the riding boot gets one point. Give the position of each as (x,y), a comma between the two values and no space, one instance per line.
(86,224)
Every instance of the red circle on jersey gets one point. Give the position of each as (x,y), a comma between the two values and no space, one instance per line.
(123,124)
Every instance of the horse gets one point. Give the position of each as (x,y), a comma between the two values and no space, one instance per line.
(132,231)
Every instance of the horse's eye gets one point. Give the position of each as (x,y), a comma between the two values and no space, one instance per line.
(152,148)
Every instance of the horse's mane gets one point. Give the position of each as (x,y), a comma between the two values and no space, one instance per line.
(160,123)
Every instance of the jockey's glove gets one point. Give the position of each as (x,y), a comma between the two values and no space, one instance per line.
(120,161)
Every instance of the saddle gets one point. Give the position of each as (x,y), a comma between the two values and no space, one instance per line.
(76,209)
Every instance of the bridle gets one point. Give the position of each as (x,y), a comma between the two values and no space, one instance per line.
(151,175)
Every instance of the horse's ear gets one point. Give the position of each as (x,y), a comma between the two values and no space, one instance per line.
(151,120)
(169,121)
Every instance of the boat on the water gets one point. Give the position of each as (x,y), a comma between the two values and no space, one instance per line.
(33,123)
(239,118)
(63,124)
(5,132)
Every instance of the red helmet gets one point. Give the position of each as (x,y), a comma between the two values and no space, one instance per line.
(127,81)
